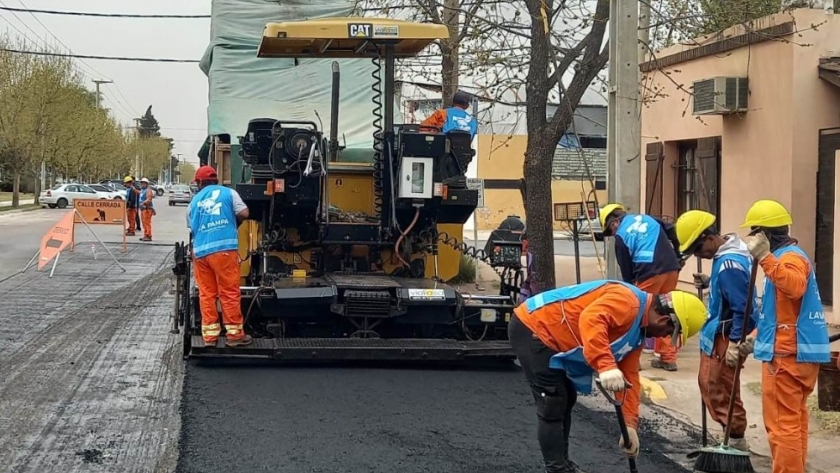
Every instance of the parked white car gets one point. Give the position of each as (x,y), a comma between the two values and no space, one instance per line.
(62,195)
(110,191)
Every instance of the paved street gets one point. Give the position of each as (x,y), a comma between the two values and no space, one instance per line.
(92,382)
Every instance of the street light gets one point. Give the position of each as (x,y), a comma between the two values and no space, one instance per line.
(98,82)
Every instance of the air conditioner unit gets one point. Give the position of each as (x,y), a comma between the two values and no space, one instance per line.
(720,95)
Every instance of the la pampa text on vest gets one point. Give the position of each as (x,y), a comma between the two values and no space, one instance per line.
(572,361)
(812,344)
(458,119)
(715,307)
(213,222)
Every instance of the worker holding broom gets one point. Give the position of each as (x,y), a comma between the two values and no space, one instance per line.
(562,337)
(791,339)
(213,217)
(721,334)
(647,252)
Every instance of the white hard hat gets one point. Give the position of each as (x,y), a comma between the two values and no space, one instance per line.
(144,180)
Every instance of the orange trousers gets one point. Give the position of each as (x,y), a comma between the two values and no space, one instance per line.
(217,276)
(131,216)
(661,284)
(785,387)
(715,380)
(146,217)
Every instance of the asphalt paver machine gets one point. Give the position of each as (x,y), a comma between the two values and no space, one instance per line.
(342,258)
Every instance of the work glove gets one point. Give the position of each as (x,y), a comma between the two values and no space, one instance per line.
(613,380)
(748,346)
(733,354)
(633,451)
(759,246)
(701,281)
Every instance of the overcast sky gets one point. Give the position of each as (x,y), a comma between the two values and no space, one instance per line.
(177,92)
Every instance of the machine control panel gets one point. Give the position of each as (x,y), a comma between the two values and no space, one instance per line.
(416,179)
(507,254)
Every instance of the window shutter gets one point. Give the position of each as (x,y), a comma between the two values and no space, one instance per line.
(654,159)
(707,161)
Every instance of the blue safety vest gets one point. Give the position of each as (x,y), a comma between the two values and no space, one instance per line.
(710,327)
(640,233)
(458,119)
(213,222)
(573,361)
(812,344)
(144,194)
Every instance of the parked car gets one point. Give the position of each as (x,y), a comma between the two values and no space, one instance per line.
(179,194)
(113,193)
(159,190)
(62,195)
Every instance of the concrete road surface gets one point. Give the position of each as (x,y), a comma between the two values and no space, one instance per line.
(91,381)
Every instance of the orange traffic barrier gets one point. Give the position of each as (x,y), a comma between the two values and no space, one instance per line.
(58,238)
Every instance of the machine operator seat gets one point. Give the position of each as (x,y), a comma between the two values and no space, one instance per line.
(460,155)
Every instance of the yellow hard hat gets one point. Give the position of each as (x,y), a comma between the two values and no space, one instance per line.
(690,313)
(691,225)
(608,209)
(767,213)
(127,179)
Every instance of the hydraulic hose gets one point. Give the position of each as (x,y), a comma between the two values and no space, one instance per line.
(403,234)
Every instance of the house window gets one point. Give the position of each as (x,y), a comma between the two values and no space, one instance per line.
(698,175)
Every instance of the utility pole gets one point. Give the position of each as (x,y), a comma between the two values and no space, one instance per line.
(178,160)
(624,169)
(137,153)
(99,82)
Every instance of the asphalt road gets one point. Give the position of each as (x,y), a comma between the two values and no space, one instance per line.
(91,381)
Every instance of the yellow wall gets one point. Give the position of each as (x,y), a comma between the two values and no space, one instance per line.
(502,157)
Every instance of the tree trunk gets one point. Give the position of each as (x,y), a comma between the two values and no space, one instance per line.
(537,171)
(450,52)
(16,189)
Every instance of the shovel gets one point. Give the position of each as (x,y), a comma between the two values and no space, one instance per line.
(621,424)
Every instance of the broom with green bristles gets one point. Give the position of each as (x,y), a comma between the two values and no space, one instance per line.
(723,458)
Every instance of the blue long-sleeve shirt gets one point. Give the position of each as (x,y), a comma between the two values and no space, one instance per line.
(732,283)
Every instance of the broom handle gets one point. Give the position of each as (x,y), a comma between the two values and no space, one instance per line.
(702,402)
(739,365)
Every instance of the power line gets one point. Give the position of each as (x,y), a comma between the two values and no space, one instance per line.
(104,58)
(101,15)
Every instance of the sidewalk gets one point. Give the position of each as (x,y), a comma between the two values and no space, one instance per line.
(678,392)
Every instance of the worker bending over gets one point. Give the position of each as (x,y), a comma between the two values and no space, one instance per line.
(791,338)
(721,334)
(147,208)
(213,217)
(454,118)
(594,327)
(647,252)
(132,194)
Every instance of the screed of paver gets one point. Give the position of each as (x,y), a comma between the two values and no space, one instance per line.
(253,417)
(91,379)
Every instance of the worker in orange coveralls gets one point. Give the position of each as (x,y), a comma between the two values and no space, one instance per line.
(147,208)
(791,338)
(454,118)
(213,217)
(647,252)
(564,336)
(132,194)
(719,338)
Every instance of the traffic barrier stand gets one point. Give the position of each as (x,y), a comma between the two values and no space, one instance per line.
(62,236)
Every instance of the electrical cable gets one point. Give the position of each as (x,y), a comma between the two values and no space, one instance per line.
(104,58)
(102,15)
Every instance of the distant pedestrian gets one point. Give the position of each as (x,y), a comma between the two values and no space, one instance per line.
(147,208)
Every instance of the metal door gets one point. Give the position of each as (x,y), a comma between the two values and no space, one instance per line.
(824,231)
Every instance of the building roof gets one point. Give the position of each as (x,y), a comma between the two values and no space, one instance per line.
(570,164)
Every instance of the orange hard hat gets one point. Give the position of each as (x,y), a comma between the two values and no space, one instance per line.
(205,173)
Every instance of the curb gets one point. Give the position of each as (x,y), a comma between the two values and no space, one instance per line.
(652,391)
(18,211)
